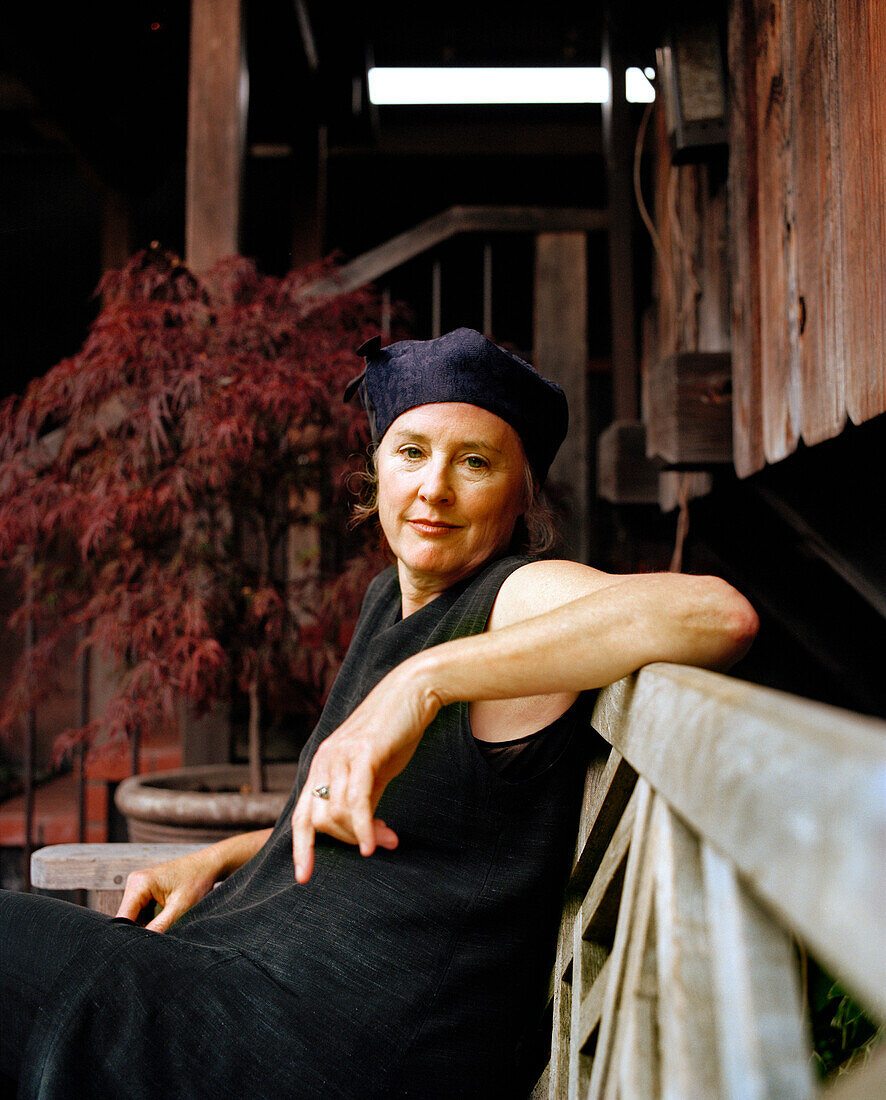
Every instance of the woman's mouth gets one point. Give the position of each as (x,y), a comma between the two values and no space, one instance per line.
(431,526)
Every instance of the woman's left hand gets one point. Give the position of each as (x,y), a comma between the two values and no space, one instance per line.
(356,763)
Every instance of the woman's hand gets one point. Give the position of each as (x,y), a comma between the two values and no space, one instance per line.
(179,884)
(357,762)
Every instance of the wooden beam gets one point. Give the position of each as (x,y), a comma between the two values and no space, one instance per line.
(561,354)
(762,1032)
(457,219)
(217,103)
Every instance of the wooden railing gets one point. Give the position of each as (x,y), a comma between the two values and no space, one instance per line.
(375,263)
(730,830)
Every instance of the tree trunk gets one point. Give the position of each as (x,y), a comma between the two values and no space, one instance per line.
(256,771)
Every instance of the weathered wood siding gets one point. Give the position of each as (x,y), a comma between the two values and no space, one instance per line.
(807,221)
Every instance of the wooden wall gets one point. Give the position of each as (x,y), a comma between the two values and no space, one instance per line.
(807,221)
(781,258)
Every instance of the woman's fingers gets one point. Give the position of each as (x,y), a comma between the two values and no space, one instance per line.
(385,837)
(174,908)
(138,892)
(344,812)
(303,836)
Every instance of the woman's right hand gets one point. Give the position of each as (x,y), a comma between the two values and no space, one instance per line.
(175,886)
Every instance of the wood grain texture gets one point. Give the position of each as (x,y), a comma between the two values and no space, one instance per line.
(763,1040)
(790,790)
(818,217)
(778,351)
(861,106)
(98,866)
(686,1028)
(608,789)
(217,104)
(634,1058)
(744,244)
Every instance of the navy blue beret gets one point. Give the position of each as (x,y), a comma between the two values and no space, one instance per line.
(463,366)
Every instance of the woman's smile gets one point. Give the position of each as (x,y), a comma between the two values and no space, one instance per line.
(432,527)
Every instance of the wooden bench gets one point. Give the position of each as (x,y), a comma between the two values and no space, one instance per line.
(730,830)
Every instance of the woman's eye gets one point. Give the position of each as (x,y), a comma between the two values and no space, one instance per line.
(411,452)
(475,462)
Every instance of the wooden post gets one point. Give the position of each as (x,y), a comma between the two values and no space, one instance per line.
(217,102)
(561,320)
(618,151)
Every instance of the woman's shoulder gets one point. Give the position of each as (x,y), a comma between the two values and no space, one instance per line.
(535,587)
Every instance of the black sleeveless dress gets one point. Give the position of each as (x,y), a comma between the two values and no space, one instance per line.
(413,973)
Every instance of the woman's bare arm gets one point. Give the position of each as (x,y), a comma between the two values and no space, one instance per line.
(179,884)
(583,642)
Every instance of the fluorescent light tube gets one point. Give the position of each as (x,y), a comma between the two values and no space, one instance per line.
(488,85)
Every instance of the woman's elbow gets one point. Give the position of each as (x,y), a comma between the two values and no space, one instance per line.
(737,622)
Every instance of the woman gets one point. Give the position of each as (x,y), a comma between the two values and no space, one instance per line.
(405,952)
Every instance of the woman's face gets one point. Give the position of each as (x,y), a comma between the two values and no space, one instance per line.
(450,489)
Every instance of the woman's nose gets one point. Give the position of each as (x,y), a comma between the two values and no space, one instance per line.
(435,487)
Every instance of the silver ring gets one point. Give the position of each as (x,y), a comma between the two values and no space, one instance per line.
(321,792)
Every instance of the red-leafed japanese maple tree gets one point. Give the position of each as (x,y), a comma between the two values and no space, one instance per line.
(151,484)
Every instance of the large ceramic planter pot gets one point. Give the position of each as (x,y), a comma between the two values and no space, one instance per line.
(201,803)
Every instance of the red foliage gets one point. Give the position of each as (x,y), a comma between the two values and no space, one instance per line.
(200,424)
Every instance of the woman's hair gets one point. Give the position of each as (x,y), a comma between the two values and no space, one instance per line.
(535,531)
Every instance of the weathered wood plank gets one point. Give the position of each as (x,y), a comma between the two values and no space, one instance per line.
(590,963)
(861,107)
(98,866)
(790,790)
(762,1035)
(634,1059)
(664,277)
(564,981)
(818,218)
(541,1089)
(608,786)
(780,392)
(608,789)
(747,422)
(683,953)
(640,800)
(591,1008)
(592,923)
